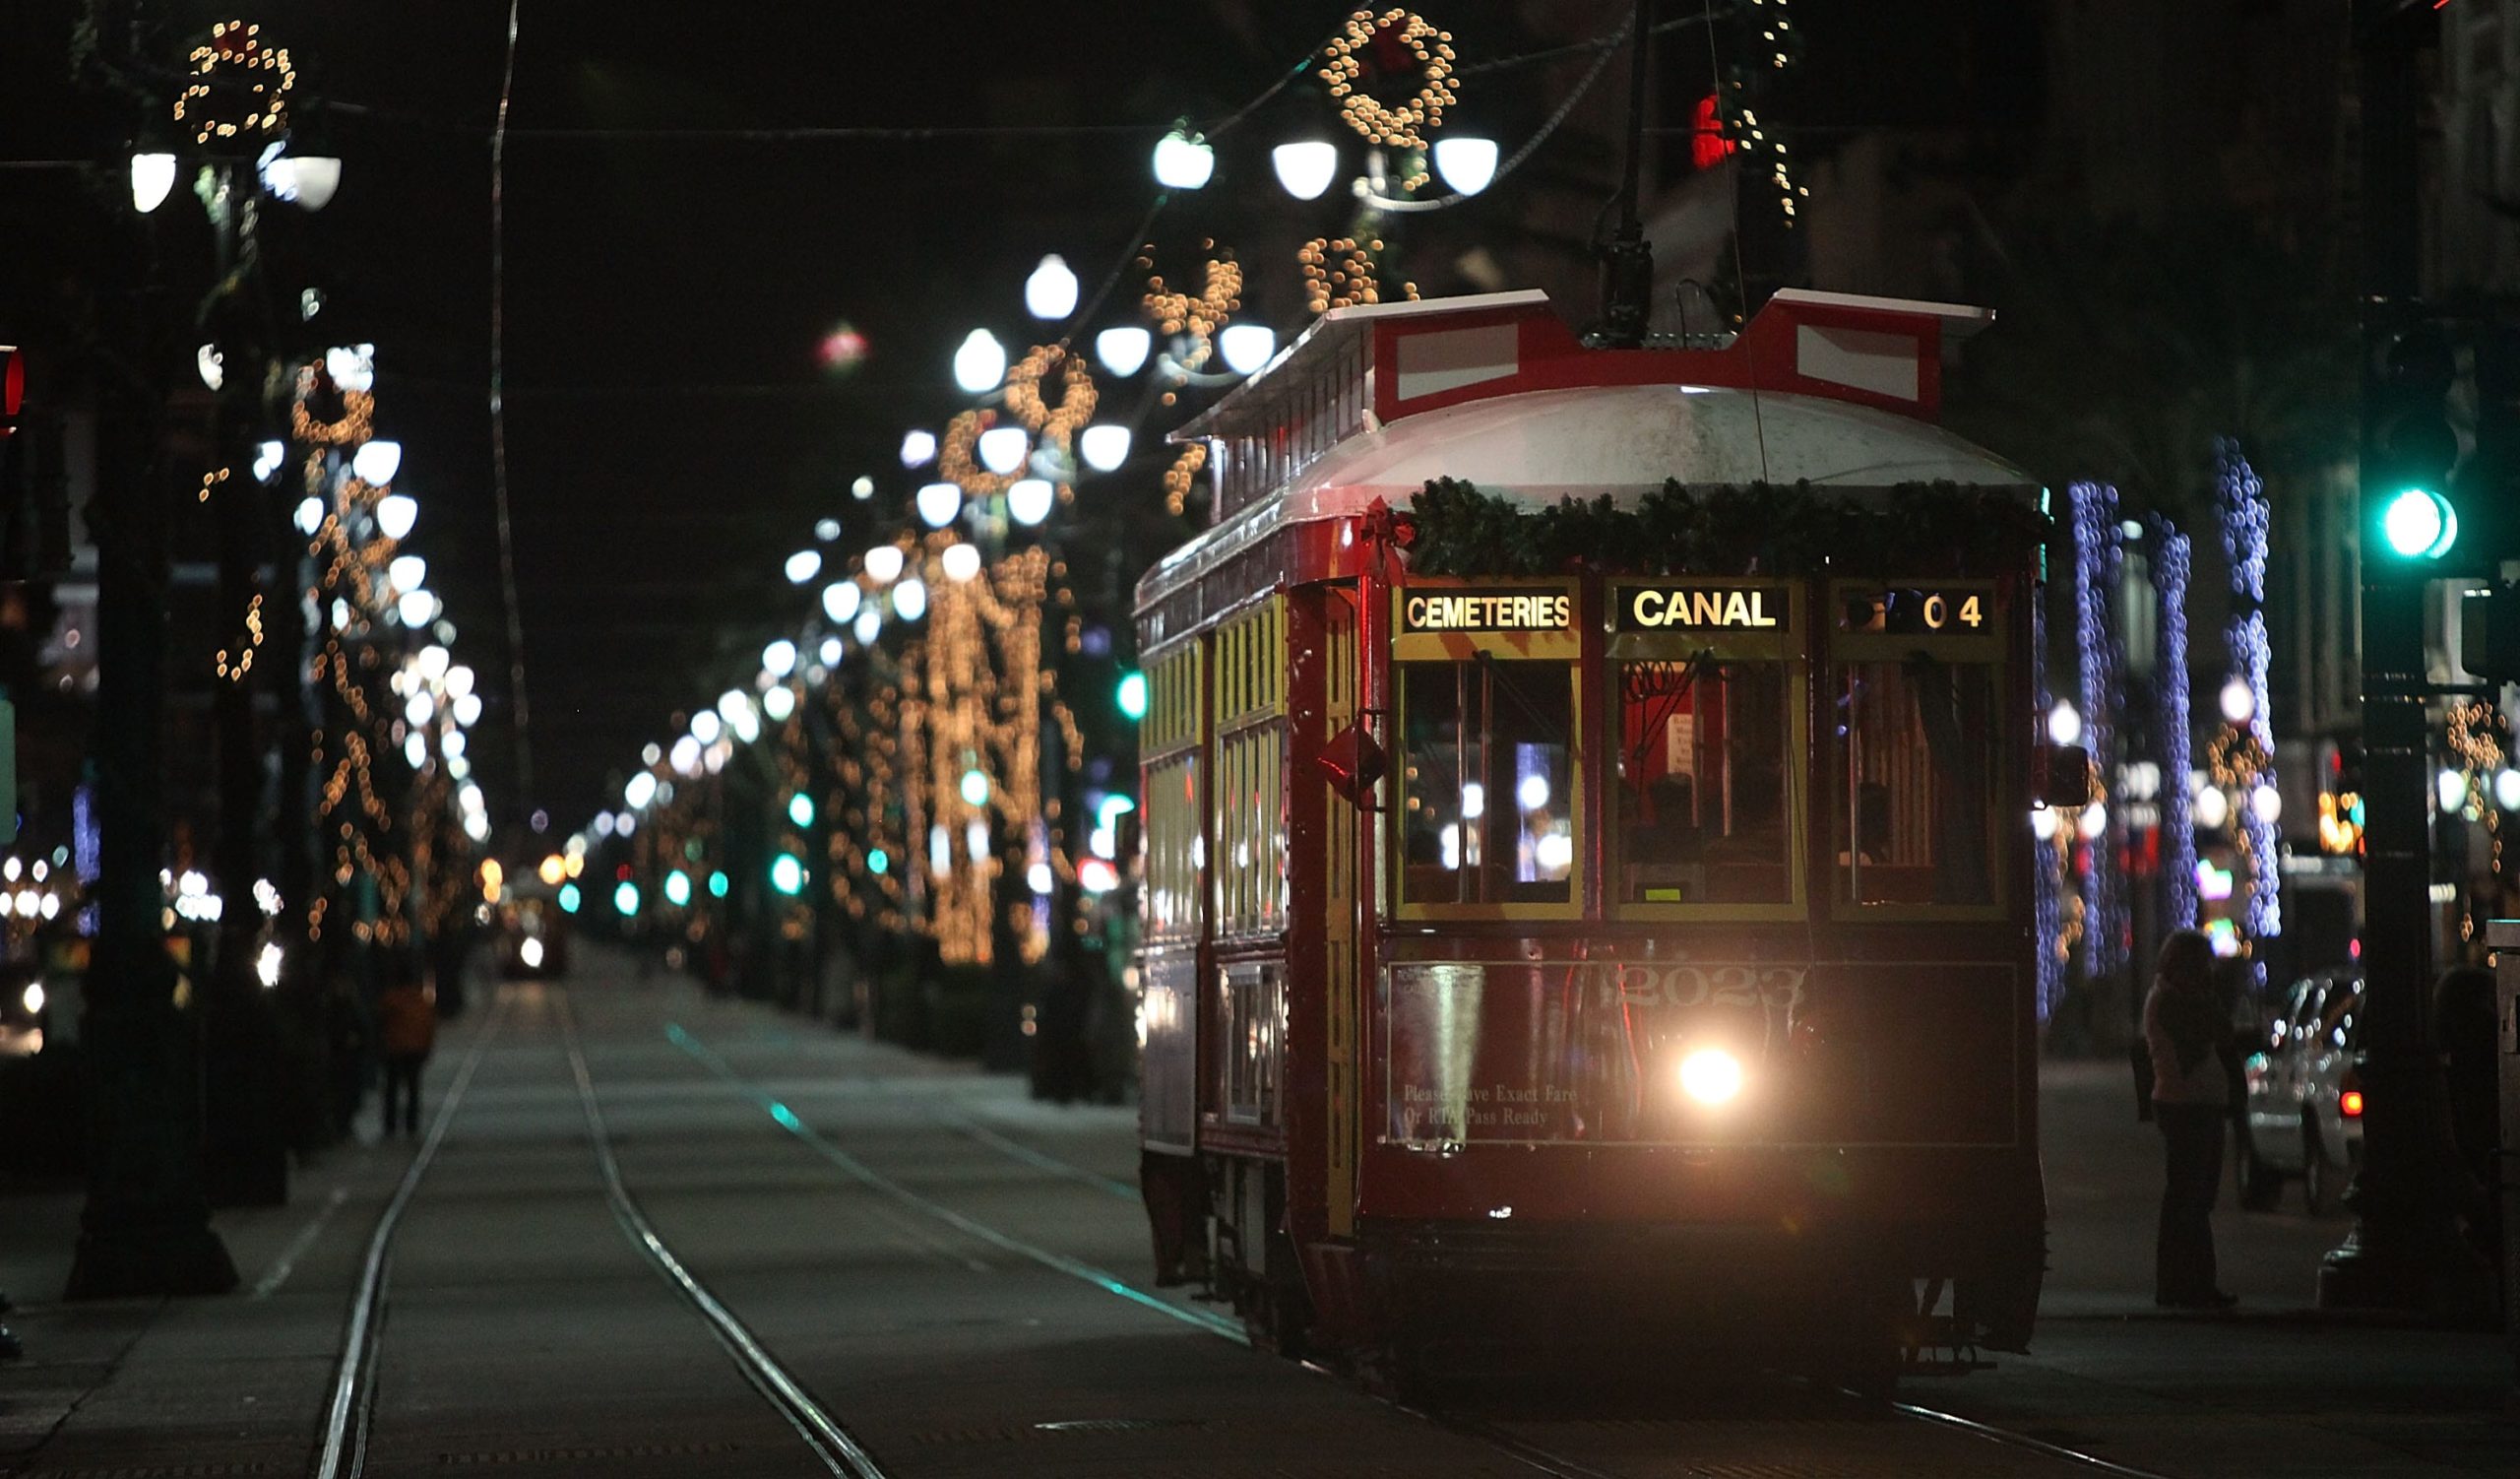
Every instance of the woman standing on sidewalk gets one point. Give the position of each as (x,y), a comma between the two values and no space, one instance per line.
(2183,1025)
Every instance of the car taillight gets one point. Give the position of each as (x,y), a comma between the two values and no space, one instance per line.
(2349,1101)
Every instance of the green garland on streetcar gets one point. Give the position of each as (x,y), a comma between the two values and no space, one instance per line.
(1759,528)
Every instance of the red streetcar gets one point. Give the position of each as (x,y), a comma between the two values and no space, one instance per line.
(1617,914)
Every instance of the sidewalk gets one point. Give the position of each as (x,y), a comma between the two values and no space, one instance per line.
(253,1364)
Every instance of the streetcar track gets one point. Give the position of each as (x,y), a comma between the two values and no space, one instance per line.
(347,1416)
(858,1170)
(1522,1450)
(1506,1441)
(831,1442)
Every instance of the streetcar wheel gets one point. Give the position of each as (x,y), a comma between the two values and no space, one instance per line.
(2261,1184)
(2322,1180)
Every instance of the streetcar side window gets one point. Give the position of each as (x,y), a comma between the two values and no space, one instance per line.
(1487,781)
(1916,773)
(1703,806)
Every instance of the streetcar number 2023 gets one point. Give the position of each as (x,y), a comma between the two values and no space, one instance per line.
(1915,611)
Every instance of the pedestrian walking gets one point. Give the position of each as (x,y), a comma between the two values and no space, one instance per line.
(407,1029)
(2185,1025)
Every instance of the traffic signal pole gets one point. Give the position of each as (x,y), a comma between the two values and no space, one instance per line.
(2403,1252)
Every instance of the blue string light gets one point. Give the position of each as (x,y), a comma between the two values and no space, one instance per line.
(2240,505)
(2098,560)
(2172,570)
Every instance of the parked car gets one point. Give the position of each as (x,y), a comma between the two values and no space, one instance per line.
(22,1010)
(2303,1114)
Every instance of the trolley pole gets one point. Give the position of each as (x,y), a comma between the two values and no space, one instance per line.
(2402,1254)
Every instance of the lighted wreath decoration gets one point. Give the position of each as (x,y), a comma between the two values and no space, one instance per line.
(1341,274)
(1390,43)
(1054,425)
(358,415)
(1198,316)
(957,464)
(263,91)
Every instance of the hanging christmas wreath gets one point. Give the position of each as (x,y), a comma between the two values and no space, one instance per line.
(1762,528)
(252,94)
(1054,425)
(958,462)
(1389,45)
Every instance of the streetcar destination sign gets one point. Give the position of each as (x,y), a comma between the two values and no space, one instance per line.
(1694,607)
(1488,610)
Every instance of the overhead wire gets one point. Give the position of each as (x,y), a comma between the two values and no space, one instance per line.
(522,730)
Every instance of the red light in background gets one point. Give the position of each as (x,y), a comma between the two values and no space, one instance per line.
(1707,144)
(12,386)
(2350,1104)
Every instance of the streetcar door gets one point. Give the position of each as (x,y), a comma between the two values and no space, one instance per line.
(1335,609)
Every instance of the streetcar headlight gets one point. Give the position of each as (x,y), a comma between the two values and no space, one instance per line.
(1711,1075)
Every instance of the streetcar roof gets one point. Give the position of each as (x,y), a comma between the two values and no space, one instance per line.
(1627,440)
(1374,402)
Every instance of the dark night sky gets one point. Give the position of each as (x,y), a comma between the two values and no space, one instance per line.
(671,435)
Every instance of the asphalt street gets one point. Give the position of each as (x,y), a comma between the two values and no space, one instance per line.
(661,1234)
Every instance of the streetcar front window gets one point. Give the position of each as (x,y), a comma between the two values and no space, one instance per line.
(1702,795)
(1487,781)
(1916,766)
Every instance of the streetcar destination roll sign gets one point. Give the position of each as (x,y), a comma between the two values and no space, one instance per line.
(1699,607)
(1486,611)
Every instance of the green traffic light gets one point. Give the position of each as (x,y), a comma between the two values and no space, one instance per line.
(717,885)
(1132,696)
(625,898)
(800,810)
(678,888)
(2420,524)
(569,898)
(786,875)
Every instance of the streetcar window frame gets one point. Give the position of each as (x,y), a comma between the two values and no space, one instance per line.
(1787,648)
(1986,647)
(1562,648)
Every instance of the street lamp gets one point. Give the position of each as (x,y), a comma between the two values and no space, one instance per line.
(961,561)
(396,513)
(306,181)
(1029,500)
(1123,351)
(1305,167)
(1247,347)
(1002,449)
(884,562)
(938,503)
(979,365)
(377,461)
(1467,164)
(841,597)
(152,180)
(804,566)
(1103,446)
(919,449)
(1050,292)
(1182,159)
